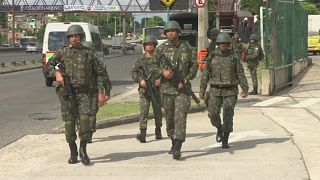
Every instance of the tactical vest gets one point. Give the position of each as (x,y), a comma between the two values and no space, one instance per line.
(223,71)
(79,67)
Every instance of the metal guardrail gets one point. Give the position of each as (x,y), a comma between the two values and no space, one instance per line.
(12,49)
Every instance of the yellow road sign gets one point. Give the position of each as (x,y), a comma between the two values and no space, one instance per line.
(168,3)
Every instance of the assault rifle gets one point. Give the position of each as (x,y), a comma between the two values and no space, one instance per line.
(151,94)
(179,78)
(67,88)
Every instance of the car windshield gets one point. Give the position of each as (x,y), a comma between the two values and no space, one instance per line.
(31,44)
(56,40)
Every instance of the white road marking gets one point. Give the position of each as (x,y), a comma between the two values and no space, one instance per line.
(307,102)
(271,101)
(238,136)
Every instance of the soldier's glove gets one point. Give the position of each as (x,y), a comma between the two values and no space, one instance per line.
(243,94)
(59,78)
(101,99)
(201,94)
(167,73)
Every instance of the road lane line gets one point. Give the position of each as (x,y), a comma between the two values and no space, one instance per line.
(271,101)
(307,102)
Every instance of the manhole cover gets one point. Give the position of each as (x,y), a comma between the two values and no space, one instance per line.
(42,116)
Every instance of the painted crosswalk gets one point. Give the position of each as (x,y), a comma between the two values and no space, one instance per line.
(280,101)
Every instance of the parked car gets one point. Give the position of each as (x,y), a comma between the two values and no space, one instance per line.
(105,49)
(32,47)
(131,46)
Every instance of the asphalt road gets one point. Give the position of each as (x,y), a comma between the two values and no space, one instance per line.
(7,57)
(27,106)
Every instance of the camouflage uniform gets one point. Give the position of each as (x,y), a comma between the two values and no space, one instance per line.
(223,74)
(150,64)
(94,93)
(254,55)
(237,46)
(82,66)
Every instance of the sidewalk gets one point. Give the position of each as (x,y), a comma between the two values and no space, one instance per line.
(271,142)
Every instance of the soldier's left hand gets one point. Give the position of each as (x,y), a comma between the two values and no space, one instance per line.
(157,82)
(101,99)
(244,94)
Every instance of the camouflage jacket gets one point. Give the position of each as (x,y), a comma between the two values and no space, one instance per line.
(106,80)
(254,54)
(223,73)
(148,64)
(81,66)
(237,47)
(182,58)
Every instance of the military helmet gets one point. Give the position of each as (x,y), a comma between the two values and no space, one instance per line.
(253,36)
(223,38)
(75,29)
(88,44)
(150,39)
(213,31)
(172,25)
(236,36)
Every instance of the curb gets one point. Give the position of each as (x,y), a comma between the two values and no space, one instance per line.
(127,119)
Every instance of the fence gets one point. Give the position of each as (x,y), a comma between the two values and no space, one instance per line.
(285,30)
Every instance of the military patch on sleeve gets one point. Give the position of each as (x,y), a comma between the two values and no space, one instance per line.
(184,55)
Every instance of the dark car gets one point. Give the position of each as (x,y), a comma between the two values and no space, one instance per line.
(105,49)
(131,46)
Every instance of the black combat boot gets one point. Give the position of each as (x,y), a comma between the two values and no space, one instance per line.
(171,149)
(219,134)
(73,153)
(177,149)
(83,153)
(158,133)
(225,139)
(142,136)
(254,91)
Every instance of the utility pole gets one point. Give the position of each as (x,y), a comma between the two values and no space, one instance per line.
(115,26)
(13,26)
(124,34)
(202,29)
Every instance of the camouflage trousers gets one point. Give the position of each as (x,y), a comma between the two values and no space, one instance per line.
(83,111)
(94,111)
(145,103)
(176,109)
(253,74)
(228,103)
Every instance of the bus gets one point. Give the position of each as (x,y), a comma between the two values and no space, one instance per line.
(24,41)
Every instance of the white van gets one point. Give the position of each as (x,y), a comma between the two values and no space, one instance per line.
(55,37)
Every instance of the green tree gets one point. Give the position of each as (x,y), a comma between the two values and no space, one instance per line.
(152,22)
(311,8)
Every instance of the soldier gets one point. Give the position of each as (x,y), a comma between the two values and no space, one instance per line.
(237,45)
(254,54)
(212,35)
(223,73)
(75,68)
(148,64)
(179,65)
(107,87)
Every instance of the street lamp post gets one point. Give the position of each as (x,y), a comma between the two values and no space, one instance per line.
(115,26)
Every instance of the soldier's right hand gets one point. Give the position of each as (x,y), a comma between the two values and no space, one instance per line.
(59,78)
(167,73)
(143,83)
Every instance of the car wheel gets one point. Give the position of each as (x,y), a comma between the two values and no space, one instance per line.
(49,82)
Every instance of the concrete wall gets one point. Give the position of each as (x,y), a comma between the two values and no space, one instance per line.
(274,79)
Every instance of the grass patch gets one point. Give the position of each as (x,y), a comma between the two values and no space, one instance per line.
(114,110)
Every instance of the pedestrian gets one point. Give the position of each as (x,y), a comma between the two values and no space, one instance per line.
(178,66)
(223,74)
(94,93)
(75,68)
(146,72)
(254,54)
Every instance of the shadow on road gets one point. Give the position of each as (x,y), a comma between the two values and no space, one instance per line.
(235,146)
